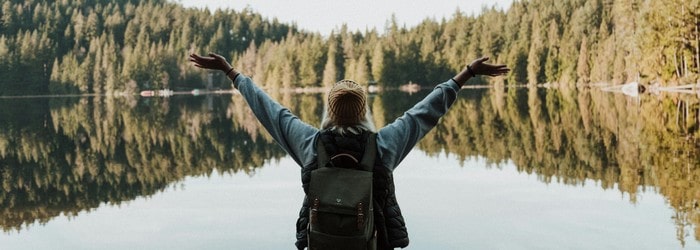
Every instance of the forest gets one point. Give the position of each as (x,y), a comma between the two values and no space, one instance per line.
(122,46)
(65,156)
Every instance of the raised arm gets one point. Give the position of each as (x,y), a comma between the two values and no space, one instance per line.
(293,135)
(397,139)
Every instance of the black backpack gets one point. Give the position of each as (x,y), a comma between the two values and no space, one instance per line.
(341,214)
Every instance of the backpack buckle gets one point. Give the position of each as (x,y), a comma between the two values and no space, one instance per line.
(314,211)
(360,216)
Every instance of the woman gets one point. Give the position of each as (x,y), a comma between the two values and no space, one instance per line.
(347,115)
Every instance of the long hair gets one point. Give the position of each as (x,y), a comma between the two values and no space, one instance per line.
(366,123)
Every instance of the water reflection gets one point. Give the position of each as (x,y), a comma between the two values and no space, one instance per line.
(571,136)
(75,154)
(67,155)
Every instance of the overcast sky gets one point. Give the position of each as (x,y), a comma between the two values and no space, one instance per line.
(326,15)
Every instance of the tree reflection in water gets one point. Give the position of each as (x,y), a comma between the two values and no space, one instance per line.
(67,155)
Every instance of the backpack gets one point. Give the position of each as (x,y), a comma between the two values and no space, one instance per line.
(341,213)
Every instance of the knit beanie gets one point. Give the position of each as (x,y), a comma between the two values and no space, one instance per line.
(346,103)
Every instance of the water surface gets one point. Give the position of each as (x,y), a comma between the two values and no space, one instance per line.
(506,168)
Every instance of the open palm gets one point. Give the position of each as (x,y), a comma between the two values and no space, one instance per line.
(480,67)
(213,61)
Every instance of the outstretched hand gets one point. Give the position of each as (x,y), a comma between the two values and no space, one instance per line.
(479,67)
(213,61)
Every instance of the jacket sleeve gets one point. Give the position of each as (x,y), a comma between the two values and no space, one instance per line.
(396,140)
(293,135)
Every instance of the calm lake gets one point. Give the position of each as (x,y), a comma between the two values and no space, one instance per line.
(506,168)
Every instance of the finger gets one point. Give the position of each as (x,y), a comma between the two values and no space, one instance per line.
(500,69)
(201,58)
(495,65)
(483,59)
(216,56)
(503,71)
(197,60)
(497,72)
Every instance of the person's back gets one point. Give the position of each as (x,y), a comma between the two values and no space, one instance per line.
(341,213)
(348,165)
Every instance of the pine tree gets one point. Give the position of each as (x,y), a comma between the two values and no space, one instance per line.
(583,68)
(551,66)
(535,58)
(330,71)
(378,63)
(362,72)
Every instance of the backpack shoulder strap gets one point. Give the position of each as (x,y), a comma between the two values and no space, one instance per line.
(369,156)
(321,155)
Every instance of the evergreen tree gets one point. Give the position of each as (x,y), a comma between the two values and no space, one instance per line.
(536,57)
(541,40)
(378,63)
(330,70)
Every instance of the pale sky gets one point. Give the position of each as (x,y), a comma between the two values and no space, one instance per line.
(326,15)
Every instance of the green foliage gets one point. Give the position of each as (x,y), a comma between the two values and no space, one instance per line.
(98,46)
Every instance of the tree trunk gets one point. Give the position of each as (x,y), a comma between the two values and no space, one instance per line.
(685,66)
(675,64)
(697,46)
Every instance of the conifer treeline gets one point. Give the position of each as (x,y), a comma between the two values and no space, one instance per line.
(103,46)
(125,45)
